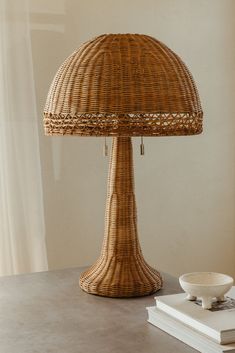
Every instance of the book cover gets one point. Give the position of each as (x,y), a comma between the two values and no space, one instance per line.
(186,334)
(218,322)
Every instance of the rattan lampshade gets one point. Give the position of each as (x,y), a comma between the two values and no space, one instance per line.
(122,85)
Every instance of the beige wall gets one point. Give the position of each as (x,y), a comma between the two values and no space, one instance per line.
(185,186)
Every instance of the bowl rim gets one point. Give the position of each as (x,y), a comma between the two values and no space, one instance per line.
(230,279)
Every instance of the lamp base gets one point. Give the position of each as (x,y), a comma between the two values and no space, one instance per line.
(121,270)
(112,278)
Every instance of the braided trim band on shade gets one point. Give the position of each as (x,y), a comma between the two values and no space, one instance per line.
(159,124)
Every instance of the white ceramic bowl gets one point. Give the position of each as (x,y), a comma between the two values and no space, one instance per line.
(206,286)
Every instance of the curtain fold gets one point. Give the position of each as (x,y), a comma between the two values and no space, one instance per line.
(22,229)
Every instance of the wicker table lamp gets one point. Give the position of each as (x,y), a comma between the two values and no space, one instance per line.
(122,85)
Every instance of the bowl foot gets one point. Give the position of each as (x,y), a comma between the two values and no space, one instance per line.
(191,297)
(221,298)
(206,303)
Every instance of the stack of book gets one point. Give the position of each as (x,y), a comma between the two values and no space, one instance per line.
(208,331)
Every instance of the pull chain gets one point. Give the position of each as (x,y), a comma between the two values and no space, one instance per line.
(142,146)
(105,148)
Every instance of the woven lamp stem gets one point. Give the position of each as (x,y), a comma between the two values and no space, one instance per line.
(121,270)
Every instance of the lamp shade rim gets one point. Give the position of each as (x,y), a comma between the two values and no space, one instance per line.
(126,124)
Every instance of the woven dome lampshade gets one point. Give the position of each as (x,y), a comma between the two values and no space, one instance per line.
(122,85)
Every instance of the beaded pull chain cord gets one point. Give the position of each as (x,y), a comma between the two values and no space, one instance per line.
(105,148)
(142,146)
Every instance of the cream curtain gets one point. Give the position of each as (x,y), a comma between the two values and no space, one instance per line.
(22,231)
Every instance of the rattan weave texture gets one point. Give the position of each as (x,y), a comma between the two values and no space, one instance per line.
(123,85)
(121,270)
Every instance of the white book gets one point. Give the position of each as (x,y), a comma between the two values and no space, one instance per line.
(217,323)
(186,334)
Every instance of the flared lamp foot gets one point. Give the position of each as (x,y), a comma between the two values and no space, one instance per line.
(112,278)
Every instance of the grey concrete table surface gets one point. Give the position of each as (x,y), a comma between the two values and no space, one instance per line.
(47,312)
